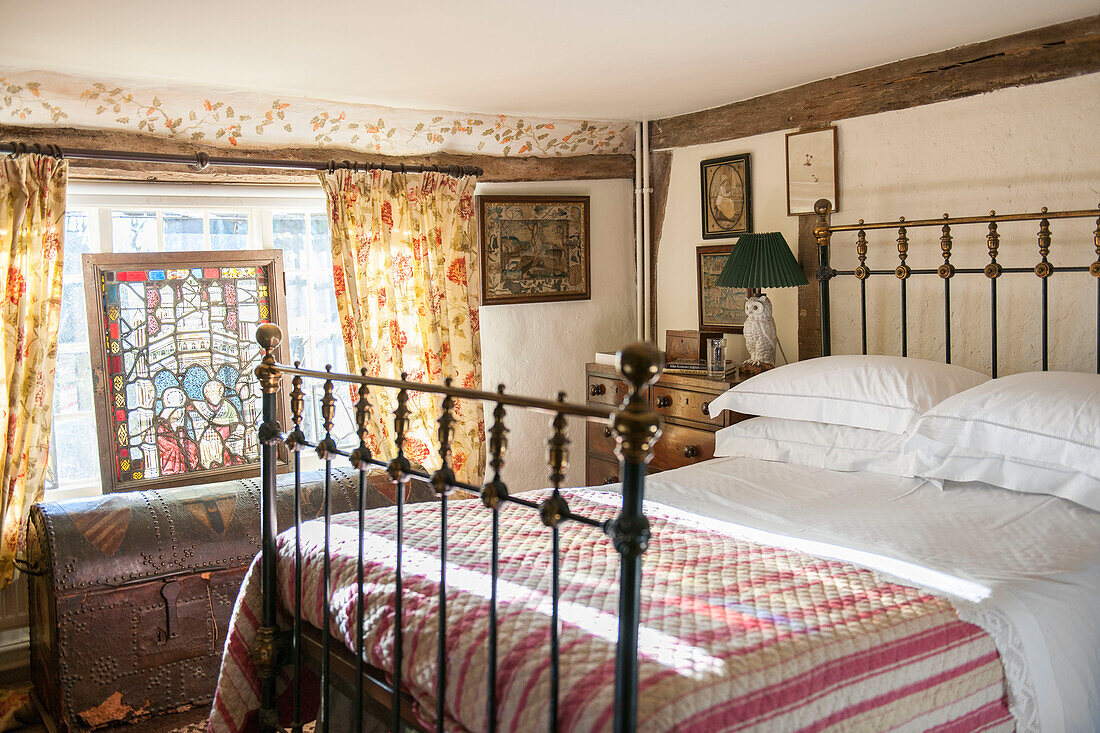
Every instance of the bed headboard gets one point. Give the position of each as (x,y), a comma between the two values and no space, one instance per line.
(1078,257)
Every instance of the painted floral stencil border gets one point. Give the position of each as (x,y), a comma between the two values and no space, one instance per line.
(38,98)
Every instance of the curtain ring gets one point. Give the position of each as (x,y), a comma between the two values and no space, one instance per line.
(402,168)
(331,167)
(58,153)
(202,160)
(347,164)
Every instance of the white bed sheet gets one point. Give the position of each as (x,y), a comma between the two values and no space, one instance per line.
(1024,567)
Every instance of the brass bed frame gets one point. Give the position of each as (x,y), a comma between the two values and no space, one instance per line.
(1044,270)
(636,426)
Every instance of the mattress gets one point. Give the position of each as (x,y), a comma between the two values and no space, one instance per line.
(775,597)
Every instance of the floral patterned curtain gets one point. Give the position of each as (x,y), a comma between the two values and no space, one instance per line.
(404,254)
(32,226)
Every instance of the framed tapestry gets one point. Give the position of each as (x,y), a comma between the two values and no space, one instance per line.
(727,196)
(811,170)
(720,309)
(534,249)
(173,350)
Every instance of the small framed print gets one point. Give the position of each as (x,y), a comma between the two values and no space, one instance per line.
(720,309)
(811,170)
(727,196)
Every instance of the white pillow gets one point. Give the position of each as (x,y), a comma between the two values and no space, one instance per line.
(938,461)
(1050,417)
(875,392)
(815,444)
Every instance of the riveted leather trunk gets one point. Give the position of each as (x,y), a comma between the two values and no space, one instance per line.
(133,591)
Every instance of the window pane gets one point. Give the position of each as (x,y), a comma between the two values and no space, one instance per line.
(228,231)
(321,241)
(183,232)
(297,307)
(72,386)
(76,449)
(289,235)
(134,231)
(74,318)
(78,241)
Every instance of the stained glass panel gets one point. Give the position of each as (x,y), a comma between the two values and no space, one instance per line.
(180,354)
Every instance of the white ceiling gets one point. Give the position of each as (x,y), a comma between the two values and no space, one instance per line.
(569,58)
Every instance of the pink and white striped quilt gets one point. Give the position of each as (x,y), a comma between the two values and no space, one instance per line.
(734,635)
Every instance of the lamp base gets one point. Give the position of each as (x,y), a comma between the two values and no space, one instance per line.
(752,368)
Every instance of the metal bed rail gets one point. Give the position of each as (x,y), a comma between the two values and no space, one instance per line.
(636,426)
(1044,269)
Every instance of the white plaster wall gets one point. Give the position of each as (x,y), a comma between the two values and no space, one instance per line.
(1012,150)
(538,349)
(677,282)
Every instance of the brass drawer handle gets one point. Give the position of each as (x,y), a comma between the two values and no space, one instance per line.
(706,409)
(607,432)
(692,451)
(597,390)
(611,480)
(664,401)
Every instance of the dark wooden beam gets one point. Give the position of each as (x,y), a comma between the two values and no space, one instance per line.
(497,169)
(1045,54)
(660,167)
(809,303)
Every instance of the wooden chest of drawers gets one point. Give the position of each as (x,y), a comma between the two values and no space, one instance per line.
(682,402)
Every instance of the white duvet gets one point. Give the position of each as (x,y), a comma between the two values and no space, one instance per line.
(1024,567)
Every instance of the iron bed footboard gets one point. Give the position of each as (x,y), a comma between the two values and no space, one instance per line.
(636,426)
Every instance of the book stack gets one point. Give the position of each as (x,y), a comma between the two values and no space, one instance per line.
(698,368)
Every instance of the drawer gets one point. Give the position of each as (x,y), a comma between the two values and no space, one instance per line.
(681,404)
(601,439)
(603,390)
(682,446)
(602,471)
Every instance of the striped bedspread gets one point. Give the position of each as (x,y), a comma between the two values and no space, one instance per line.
(734,635)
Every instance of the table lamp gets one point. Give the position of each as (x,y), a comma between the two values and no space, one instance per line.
(760,261)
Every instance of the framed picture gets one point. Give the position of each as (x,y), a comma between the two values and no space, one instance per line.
(727,196)
(720,309)
(811,170)
(534,249)
(173,349)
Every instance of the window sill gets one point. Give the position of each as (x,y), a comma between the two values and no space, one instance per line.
(73,491)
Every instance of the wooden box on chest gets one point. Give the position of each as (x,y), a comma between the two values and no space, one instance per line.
(131,593)
(682,401)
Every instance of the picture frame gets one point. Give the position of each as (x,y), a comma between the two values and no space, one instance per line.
(534,249)
(720,309)
(726,192)
(162,420)
(812,170)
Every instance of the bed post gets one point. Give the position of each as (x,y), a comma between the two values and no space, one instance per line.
(637,427)
(264,652)
(824,271)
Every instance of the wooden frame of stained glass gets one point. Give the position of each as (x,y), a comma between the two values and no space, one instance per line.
(173,349)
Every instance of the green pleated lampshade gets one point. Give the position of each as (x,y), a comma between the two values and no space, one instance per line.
(761,261)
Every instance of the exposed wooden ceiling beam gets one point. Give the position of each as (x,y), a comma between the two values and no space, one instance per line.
(580,167)
(1045,54)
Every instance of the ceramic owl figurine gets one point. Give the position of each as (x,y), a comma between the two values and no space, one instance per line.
(760,332)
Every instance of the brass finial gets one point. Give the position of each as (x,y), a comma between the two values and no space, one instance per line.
(637,424)
(495,491)
(554,508)
(946,270)
(902,271)
(361,456)
(443,479)
(268,336)
(993,243)
(1095,267)
(399,467)
(821,228)
(1044,269)
(296,441)
(326,447)
(862,272)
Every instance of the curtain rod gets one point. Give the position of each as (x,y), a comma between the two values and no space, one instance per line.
(200,161)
